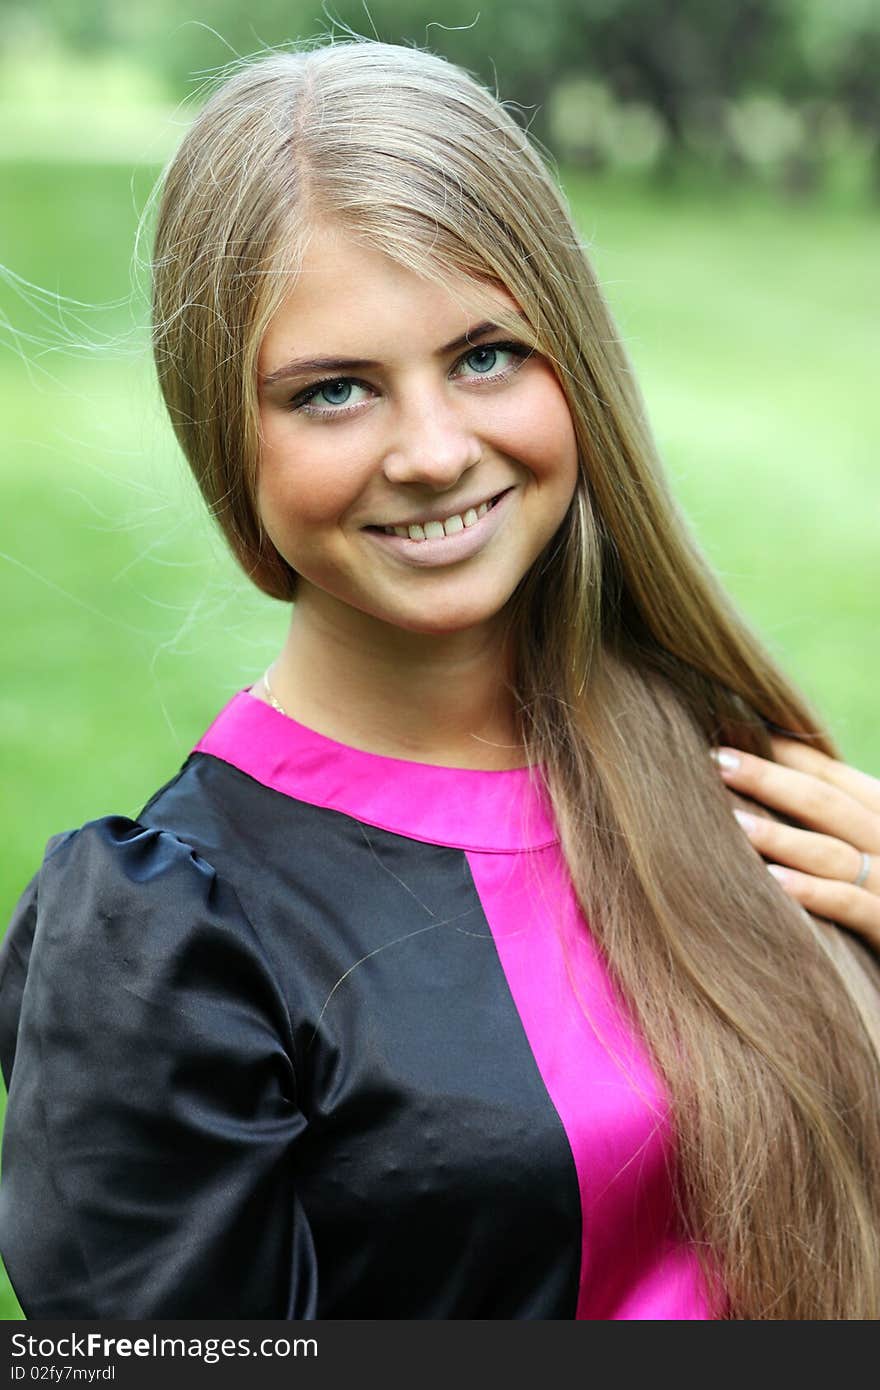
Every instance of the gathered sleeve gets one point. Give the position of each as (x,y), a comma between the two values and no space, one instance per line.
(149,1147)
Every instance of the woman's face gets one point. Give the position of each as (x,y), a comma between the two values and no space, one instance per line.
(417,426)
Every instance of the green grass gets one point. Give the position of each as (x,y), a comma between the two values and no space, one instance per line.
(754,331)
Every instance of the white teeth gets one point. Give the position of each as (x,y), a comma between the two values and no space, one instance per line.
(433,530)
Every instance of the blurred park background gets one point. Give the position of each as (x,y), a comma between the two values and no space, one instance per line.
(723,163)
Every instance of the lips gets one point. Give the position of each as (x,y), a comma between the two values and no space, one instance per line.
(423,520)
(438,551)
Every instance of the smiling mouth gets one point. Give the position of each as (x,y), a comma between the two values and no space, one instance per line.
(437,530)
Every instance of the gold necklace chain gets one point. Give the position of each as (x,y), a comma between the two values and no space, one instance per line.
(271,698)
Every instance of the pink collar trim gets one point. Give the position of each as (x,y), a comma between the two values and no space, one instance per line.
(465,808)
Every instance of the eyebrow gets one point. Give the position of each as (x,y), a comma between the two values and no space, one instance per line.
(304,366)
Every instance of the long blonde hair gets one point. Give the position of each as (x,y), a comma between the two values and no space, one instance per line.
(629,659)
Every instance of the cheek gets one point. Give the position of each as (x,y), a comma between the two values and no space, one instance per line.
(306,480)
(539,431)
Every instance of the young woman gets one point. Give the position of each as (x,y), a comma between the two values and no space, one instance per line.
(442,982)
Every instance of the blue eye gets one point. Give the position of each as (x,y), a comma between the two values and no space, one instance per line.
(337,393)
(489,355)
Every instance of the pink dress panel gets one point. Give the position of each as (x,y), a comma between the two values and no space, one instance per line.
(634,1264)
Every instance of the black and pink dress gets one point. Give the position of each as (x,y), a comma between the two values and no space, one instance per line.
(323,1034)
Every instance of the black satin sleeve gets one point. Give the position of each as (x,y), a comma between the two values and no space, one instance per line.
(152,1120)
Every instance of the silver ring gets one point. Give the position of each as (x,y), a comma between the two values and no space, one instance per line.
(863,871)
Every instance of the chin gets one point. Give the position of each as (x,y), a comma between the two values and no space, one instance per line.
(445,620)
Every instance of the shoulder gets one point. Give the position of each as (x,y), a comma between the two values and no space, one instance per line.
(147,1051)
(99,879)
(120,907)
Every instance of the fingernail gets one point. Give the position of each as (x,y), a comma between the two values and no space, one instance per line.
(747,821)
(727,761)
(778,872)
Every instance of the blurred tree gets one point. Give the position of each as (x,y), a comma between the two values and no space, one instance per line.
(771,84)
(683,58)
(839,60)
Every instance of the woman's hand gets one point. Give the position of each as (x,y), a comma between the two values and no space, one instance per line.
(817,867)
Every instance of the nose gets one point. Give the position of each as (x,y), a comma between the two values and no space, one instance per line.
(432,444)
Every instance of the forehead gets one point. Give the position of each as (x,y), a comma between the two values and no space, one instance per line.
(347,296)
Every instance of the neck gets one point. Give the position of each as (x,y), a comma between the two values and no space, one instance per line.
(434,698)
